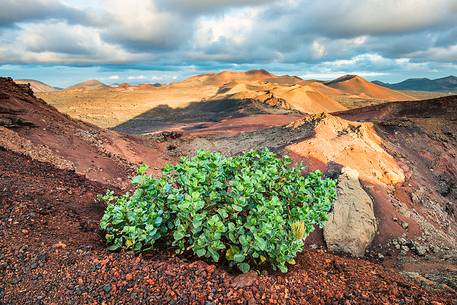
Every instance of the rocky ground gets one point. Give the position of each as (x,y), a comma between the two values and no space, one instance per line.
(52,253)
(396,169)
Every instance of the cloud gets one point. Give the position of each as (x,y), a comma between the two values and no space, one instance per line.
(295,36)
(68,44)
(15,11)
(347,18)
(140,26)
(440,54)
(199,7)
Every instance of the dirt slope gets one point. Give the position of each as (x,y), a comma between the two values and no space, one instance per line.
(305,98)
(32,127)
(36,86)
(51,252)
(358,86)
(347,143)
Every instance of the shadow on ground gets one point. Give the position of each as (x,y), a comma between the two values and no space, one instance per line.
(163,116)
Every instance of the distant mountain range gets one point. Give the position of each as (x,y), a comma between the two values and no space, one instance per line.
(443,84)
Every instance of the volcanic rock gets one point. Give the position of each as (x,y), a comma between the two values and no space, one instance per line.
(352,223)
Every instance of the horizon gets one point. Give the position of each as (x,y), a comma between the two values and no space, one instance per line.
(145,81)
(63,42)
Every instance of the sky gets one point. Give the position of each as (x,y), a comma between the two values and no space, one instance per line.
(62,42)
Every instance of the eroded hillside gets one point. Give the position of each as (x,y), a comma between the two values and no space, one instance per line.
(53,167)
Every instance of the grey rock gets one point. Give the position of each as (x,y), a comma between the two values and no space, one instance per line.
(352,224)
(420,250)
(405,225)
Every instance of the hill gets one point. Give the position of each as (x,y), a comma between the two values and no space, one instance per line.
(33,128)
(360,87)
(36,85)
(443,84)
(224,77)
(225,94)
(88,85)
(302,97)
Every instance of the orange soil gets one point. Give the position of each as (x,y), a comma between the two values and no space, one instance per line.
(351,144)
(356,85)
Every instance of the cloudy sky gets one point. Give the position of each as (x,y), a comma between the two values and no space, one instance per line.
(65,41)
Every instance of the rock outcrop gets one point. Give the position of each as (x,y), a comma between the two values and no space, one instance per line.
(352,223)
(350,144)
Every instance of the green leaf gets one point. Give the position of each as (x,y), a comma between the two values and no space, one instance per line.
(117,245)
(238,257)
(137,179)
(244,267)
(142,169)
(200,252)
(237,208)
(177,235)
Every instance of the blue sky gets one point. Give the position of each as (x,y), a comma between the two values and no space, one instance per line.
(66,41)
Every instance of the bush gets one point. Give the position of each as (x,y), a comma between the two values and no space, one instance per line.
(249,210)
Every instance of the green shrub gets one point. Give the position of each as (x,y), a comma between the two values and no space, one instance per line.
(249,210)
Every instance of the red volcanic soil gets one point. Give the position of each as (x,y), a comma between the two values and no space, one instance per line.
(422,135)
(442,107)
(30,126)
(234,126)
(52,253)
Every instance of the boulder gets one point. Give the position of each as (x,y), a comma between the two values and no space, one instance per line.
(352,224)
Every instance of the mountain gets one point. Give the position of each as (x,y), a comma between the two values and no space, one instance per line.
(356,85)
(224,77)
(88,85)
(37,86)
(306,98)
(445,84)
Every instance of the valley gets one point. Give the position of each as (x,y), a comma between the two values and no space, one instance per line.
(393,159)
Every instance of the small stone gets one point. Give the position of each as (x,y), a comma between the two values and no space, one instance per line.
(420,250)
(42,257)
(25,231)
(380,256)
(244,280)
(59,245)
(435,249)
(404,225)
(107,288)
